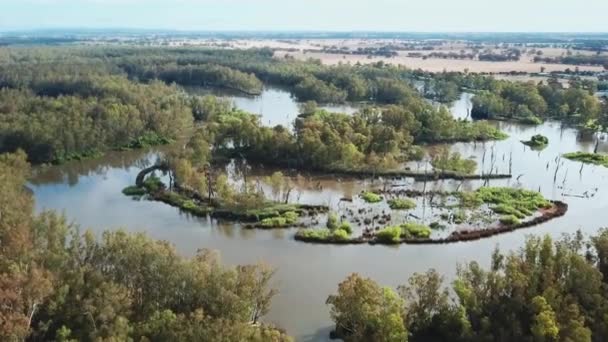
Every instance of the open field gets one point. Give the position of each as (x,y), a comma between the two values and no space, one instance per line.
(438,65)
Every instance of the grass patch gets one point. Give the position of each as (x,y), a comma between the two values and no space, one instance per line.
(371,197)
(415,230)
(323,235)
(389,235)
(509,220)
(287,219)
(147,139)
(401,204)
(517,202)
(588,158)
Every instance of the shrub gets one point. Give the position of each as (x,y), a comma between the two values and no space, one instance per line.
(470,199)
(509,220)
(537,140)
(508,210)
(340,234)
(273,222)
(345,226)
(589,158)
(371,197)
(134,191)
(401,204)
(314,234)
(291,217)
(153,184)
(332,221)
(412,229)
(389,234)
(189,205)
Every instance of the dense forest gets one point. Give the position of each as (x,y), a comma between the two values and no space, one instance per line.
(532,103)
(546,291)
(112,98)
(60,284)
(64,117)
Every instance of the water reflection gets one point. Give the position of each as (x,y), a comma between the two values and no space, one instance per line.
(89,192)
(275,106)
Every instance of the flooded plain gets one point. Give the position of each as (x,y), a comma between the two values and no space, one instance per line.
(89,193)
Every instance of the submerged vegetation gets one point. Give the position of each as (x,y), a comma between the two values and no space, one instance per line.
(588,158)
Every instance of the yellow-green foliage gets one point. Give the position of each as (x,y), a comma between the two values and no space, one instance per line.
(389,234)
(401,204)
(509,220)
(371,197)
(589,158)
(518,202)
(416,230)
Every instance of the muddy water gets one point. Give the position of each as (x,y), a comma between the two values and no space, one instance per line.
(89,193)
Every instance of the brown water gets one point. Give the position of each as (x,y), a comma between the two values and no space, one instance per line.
(90,194)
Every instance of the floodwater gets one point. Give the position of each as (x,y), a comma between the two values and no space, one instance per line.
(275,106)
(89,193)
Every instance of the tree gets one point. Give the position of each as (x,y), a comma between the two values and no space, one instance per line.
(364,311)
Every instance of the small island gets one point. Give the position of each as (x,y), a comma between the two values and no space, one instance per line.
(537,141)
(458,216)
(588,158)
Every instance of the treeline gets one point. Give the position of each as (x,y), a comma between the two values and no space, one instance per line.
(596,59)
(529,102)
(203,75)
(239,69)
(61,117)
(59,284)
(546,291)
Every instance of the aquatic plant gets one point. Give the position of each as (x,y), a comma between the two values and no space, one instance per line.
(371,197)
(389,234)
(416,230)
(588,158)
(401,204)
(537,141)
(509,220)
(134,191)
(332,221)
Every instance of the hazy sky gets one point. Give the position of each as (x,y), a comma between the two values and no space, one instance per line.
(333,15)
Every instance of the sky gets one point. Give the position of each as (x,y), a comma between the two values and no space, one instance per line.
(311,15)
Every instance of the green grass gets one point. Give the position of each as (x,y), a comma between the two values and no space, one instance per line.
(517,202)
(401,204)
(323,234)
(371,197)
(147,139)
(415,230)
(393,234)
(509,220)
(389,235)
(588,158)
(287,219)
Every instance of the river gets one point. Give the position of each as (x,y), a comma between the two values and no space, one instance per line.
(89,193)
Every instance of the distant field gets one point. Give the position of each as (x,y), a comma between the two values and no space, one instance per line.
(297,48)
(438,65)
